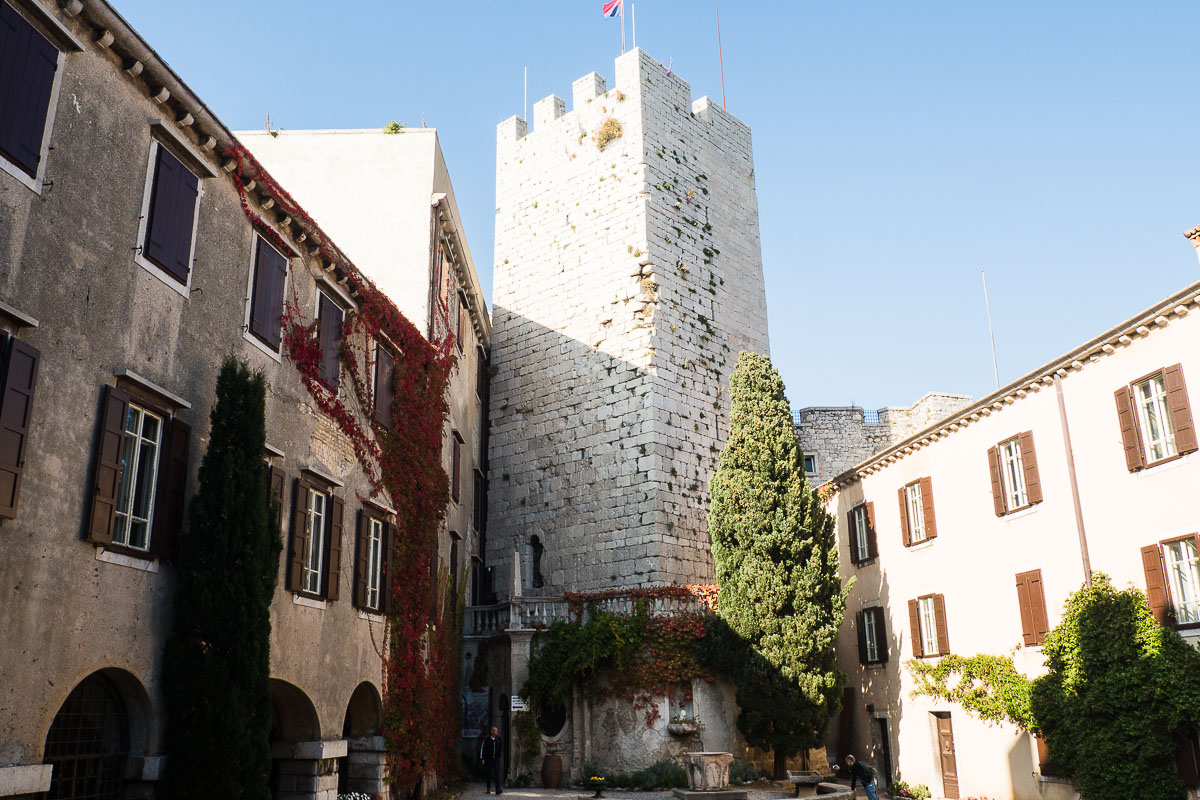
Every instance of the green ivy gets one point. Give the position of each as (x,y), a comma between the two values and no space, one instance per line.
(988,686)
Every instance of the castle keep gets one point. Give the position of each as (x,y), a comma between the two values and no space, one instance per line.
(628,276)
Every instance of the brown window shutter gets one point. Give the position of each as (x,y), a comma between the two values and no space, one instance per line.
(107,475)
(295,572)
(385,372)
(1187,758)
(172,481)
(872,544)
(1037,597)
(361,551)
(266,304)
(1045,765)
(16,408)
(171,216)
(329,323)
(1028,635)
(860,619)
(997,486)
(1181,411)
(455,460)
(927,507)
(333,575)
(855,556)
(904,533)
(1033,481)
(28,64)
(914,621)
(881,639)
(277,480)
(1156,585)
(385,582)
(1130,438)
(943,632)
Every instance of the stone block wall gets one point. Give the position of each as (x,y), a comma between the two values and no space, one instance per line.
(627,278)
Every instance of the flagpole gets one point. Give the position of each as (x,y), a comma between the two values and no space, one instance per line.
(720,56)
(621,11)
(987,304)
(633,22)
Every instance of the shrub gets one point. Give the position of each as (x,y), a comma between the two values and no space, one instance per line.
(744,772)
(901,789)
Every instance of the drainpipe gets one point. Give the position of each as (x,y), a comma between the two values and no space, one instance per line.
(1066,432)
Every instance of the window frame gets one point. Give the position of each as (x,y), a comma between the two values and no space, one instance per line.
(919,505)
(1141,419)
(1015,498)
(126,472)
(871,635)
(1172,601)
(375,560)
(184,289)
(316,548)
(815,468)
(860,540)
(928,619)
(247,334)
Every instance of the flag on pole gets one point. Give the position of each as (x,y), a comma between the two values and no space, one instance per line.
(612,8)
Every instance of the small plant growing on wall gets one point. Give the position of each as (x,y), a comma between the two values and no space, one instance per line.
(610,129)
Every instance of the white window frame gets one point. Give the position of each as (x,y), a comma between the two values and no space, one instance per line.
(870,635)
(1012,474)
(276,355)
(862,542)
(1154,402)
(916,512)
(814,469)
(927,614)
(184,289)
(314,541)
(375,534)
(123,511)
(1181,563)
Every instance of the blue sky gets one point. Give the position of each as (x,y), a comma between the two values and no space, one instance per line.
(899,149)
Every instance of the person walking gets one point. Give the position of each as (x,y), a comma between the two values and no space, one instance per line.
(491,756)
(861,772)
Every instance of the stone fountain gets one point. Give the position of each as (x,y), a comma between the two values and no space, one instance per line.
(708,778)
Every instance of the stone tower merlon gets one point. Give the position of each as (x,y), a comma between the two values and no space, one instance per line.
(628,276)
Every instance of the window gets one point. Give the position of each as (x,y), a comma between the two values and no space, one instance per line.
(810,465)
(373,561)
(481,373)
(917,522)
(266,294)
(1183,579)
(872,642)
(455,464)
(1031,599)
(29,63)
(927,618)
(385,372)
(460,320)
(141,468)
(170,215)
(1155,418)
(329,325)
(862,532)
(1015,480)
(18,380)
(315,543)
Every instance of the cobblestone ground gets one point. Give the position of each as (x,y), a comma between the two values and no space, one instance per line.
(475,791)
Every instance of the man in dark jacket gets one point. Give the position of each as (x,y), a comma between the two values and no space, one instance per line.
(862,772)
(491,756)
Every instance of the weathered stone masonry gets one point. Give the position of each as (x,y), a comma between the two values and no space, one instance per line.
(627,279)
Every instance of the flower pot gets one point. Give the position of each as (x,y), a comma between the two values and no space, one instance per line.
(551,771)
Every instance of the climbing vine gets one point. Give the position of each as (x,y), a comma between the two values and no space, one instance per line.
(988,686)
(420,672)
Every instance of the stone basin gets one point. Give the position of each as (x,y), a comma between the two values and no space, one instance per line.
(707,772)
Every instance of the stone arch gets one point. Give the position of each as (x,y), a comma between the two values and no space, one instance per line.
(299,756)
(364,766)
(293,715)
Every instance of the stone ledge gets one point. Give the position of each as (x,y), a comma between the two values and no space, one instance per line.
(712,794)
(25,779)
(310,751)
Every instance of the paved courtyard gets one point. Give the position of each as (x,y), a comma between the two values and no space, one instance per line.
(475,791)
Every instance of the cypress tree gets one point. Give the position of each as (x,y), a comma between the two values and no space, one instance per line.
(777,568)
(216,679)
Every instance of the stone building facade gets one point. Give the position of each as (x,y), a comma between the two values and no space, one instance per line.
(835,438)
(138,248)
(628,276)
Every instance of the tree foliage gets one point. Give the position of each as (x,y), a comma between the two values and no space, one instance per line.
(777,568)
(216,679)
(1118,687)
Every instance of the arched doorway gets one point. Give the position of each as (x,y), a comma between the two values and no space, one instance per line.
(88,742)
(363,768)
(299,757)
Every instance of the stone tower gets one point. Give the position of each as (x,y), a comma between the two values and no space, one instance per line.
(628,276)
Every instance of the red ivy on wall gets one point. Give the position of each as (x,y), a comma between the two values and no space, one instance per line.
(420,669)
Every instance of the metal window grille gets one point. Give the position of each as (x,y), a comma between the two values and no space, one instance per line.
(88,742)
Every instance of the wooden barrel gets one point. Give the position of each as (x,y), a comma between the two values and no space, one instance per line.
(551,771)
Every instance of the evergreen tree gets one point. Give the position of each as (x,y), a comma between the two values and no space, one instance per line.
(777,567)
(216,679)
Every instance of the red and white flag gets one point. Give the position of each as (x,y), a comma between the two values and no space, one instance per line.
(612,8)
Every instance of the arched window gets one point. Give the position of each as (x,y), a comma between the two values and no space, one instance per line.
(88,743)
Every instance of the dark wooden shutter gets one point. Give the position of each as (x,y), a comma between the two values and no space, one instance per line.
(872,541)
(1129,430)
(455,460)
(1033,481)
(266,304)
(855,556)
(28,62)
(943,632)
(904,533)
(295,571)
(385,581)
(16,408)
(333,576)
(1025,604)
(860,620)
(361,555)
(998,502)
(172,481)
(106,479)
(385,371)
(881,639)
(914,621)
(276,481)
(1046,765)
(1156,585)
(172,214)
(1187,758)
(481,373)
(1037,595)
(927,508)
(1180,410)
(329,317)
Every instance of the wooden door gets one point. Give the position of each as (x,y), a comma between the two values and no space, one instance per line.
(946,750)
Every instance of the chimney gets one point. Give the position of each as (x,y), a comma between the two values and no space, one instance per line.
(1194,236)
